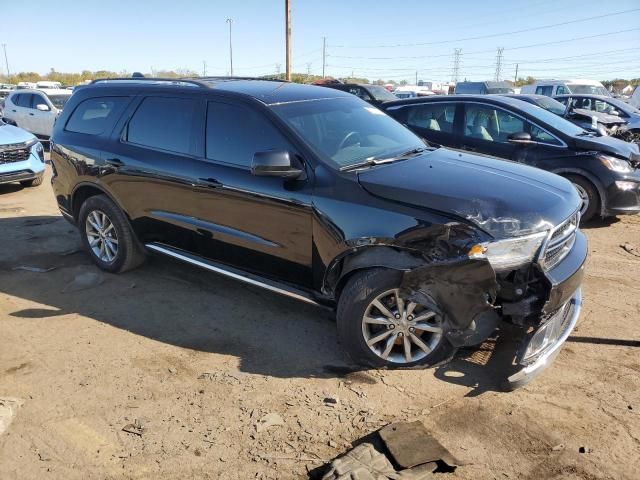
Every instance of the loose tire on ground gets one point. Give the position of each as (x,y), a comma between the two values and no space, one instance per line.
(356,299)
(129,254)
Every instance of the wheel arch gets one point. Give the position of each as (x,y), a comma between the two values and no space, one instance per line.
(563,172)
(85,190)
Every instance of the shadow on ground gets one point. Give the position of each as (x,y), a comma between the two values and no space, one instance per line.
(181,305)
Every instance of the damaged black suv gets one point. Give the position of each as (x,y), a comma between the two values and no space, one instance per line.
(313,193)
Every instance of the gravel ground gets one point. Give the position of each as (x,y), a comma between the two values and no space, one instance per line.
(171,372)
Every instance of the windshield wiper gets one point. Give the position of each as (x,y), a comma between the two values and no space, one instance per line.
(370,162)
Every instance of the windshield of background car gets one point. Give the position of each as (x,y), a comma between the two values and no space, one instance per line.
(588,89)
(381,93)
(551,105)
(622,106)
(498,90)
(551,119)
(59,100)
(345,131)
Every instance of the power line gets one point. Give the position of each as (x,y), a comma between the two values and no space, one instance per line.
(492,35)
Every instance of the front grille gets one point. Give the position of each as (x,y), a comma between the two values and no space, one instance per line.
(14,153)
(560,242)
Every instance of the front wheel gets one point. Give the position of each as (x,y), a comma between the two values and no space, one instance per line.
(588,195)
(379,327)
(107,236)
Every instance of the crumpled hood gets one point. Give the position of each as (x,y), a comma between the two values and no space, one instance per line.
(10,134)
(611,145)
(505,199)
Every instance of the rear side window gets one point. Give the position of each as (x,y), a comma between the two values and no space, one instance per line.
(164,123)
(94,115)
(432,116)
(235,133)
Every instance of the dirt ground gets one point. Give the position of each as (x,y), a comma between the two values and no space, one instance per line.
(166,372)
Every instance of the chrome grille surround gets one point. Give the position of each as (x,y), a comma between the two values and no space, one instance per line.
(559,242)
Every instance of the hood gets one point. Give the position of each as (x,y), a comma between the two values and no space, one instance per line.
(611,145)
(10,134)
(603,118)
(503,198)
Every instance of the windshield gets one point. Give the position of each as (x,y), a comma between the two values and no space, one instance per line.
(59,100)
(346,131)
(495,90)
(588,89)
(623,106)
(381,93)
(551,105)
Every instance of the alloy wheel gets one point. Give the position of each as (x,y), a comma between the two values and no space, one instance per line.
(102,236)
(399,330)
(584,198)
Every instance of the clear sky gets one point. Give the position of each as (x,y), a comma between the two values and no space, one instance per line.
(374,39)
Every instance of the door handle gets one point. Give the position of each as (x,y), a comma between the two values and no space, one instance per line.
(209,182)
(114,162)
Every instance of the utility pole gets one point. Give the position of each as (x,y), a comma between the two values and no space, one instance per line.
(416,78)
(230,21)
(515,79)
(204,68)
(324,54)
(457,52)
(6,61)
(499,63)
(287,6)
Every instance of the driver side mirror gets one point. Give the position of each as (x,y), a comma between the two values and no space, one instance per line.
(520,138)
(42,107)
(276,164)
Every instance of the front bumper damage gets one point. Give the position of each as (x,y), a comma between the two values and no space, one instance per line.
(474,301)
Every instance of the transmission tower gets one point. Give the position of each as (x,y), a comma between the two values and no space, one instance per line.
(499,63)
(456,64)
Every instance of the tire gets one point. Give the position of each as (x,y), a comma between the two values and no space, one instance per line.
(585,187)
(33,182)
(128,253)
(356,299)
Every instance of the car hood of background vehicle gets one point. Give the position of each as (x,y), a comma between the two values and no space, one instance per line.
(611,145)
(503,198)
(10,134)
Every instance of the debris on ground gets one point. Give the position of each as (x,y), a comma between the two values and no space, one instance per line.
(410,444)
(413,449)
(633,250)
(269,420)
(28,268)
(585,450)
(135,428)
(84,281)
(558,448)
(331,400)
(8,408)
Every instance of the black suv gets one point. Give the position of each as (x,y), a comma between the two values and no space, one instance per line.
(312,193)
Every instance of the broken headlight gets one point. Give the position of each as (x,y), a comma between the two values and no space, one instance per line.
(509,253)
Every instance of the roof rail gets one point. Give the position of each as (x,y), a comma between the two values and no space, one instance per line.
(153,79)
(267,78)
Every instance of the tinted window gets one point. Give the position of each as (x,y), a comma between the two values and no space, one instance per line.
(381,93)
(432,116)
(359,92)
(59,100)
(544,90)
(15,99)
(164,123)
(561,90)
(23,100)
(470,87)
(235,133)
(489,123)
(92,116)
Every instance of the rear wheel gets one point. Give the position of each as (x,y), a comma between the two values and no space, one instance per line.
(380,327)
(107,235)
(588,195)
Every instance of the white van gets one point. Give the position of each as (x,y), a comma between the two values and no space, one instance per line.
(551,88)
(635,98)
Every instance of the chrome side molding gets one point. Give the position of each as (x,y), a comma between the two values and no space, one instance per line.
(231,273)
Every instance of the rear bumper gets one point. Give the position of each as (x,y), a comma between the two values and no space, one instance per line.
(562,323)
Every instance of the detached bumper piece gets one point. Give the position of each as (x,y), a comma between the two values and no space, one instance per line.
(542,345)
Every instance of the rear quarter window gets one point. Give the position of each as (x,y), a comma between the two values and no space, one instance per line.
(95,115)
